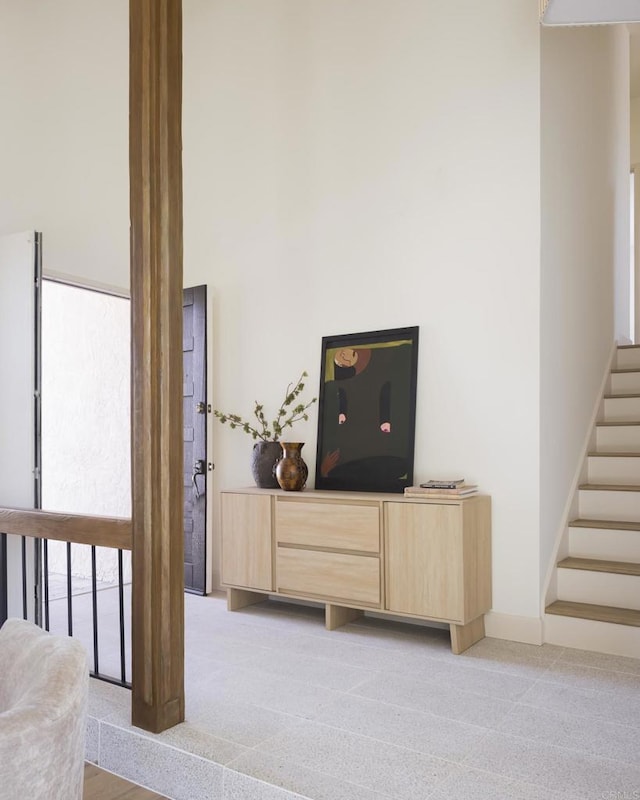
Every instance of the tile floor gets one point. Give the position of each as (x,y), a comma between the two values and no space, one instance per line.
(279,708)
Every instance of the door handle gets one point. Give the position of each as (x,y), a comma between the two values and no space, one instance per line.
(199,468)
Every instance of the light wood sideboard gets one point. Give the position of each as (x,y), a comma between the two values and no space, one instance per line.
(426,559)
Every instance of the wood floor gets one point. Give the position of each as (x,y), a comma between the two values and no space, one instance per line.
(101,785)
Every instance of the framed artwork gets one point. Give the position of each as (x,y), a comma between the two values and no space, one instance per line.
(367,411)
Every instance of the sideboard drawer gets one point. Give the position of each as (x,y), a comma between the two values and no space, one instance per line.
(339,526)
(337,575)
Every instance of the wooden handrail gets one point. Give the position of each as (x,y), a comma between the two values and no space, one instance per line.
(77,528)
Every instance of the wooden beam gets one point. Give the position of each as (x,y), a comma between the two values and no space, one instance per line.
(76,528)
(155,152)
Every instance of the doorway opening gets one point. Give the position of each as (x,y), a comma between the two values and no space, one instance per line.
(85,446)
(86,427)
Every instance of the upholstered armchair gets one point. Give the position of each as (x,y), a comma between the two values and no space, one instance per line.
(44,683)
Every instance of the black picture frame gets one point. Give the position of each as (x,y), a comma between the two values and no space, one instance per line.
(367,411)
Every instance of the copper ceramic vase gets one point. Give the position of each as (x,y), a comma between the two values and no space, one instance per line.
(291,471)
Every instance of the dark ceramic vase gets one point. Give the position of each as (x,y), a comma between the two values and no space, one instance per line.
(264,458)
(291,471)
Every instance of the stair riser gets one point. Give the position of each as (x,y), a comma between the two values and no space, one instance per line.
(618,439)
(625,383)
(595,504)
(628,358)
(599,588)
(618,409)
(605,544)
(587,634)
(624,470)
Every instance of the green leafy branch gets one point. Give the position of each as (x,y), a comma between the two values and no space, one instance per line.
(288,413)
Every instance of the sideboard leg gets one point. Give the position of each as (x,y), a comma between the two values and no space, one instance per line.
(239,598)
(337,616)
(463,636)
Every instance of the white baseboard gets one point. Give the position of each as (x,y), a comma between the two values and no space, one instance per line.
(513,628)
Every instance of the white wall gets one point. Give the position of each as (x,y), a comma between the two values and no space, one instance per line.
(635,130)
(585,244)
(349,165)
(354,166)
(64,139)
(618,148)
(635,164)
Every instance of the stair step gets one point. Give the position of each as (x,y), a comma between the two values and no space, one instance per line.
(600,565)
(613,469)
(620,589)
(625,381)
(617,423)
(604,543)
(621,454)
(622,409)
(609,487)
(591,634)
(617,437)
(619,616)
(609,501)
(612,524)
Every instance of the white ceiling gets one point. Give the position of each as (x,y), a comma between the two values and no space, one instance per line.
(590,12)
(600,12)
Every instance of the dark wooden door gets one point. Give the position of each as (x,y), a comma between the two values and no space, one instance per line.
(194,348)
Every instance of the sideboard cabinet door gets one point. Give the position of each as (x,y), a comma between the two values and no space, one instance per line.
(424,570)
(246,541)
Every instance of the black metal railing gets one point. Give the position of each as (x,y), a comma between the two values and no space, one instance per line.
(67,611)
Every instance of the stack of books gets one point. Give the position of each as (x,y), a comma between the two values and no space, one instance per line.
(442,488)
